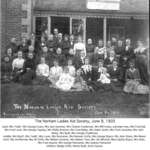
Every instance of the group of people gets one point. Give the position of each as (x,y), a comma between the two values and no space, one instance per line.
(62,62)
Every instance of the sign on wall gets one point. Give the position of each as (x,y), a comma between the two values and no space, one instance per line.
(104,4)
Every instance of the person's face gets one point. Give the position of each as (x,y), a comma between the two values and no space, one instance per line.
(66,38)
(42,60)
(30,55)
(71,52)
(60,36)
(112,53)
(42,39)
(55,31)
(114,39)
(58,51)
(82,54)
(131,65)
(89,41)
(128,41)
(139,43)
(69,62)
(46,31)
(19,54)
(50,37)
(79,39)
(71,38)
(55,63)
(66,70)
(32,36)
(31,48)
(45,49)
(24,40)
(78,73)
(100,64)
(100,43)
(115,64)
(9,52)
(109,43)
(13,40)
(120,43)
(86,61)
(6,59)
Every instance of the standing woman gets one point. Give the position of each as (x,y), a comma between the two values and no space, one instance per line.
(141,57)
(79,47)
(17,67)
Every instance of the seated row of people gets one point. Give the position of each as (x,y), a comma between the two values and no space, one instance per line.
(70,76)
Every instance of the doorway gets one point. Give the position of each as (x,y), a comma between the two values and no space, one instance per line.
(61,23)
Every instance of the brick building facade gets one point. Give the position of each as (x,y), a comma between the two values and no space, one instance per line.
(21,17)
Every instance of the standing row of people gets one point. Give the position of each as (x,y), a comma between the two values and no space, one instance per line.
(26,61)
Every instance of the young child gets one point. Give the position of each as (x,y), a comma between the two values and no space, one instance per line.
(42,72)
(104,76)
(65,81)
(86,70)
(71,68)
(55,72)
(17,67)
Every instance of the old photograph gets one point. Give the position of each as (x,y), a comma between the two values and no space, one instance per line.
(74,59)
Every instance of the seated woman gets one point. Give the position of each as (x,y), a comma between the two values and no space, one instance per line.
(115,73)
(79,83)
(6,66)
(6,70)
(65,81)
(55,72)
(17,67)
(42,72)
(71,68)
(109,60)
(28,70)
(59,56)
(103,81)
(133,80)
(86,70)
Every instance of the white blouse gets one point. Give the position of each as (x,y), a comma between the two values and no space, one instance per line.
(65,82)
(55,71)
(79,46)
(42,70)
(72,70)
(87,68)
(18,63)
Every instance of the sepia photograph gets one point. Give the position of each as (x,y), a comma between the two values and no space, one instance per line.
(74,58)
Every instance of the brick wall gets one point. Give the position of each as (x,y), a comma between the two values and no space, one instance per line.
(16,20)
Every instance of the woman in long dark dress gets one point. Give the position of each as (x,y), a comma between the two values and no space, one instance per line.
(28,70)
(140,58)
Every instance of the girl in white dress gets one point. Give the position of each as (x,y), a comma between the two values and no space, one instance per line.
(65,81)
(55,72)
